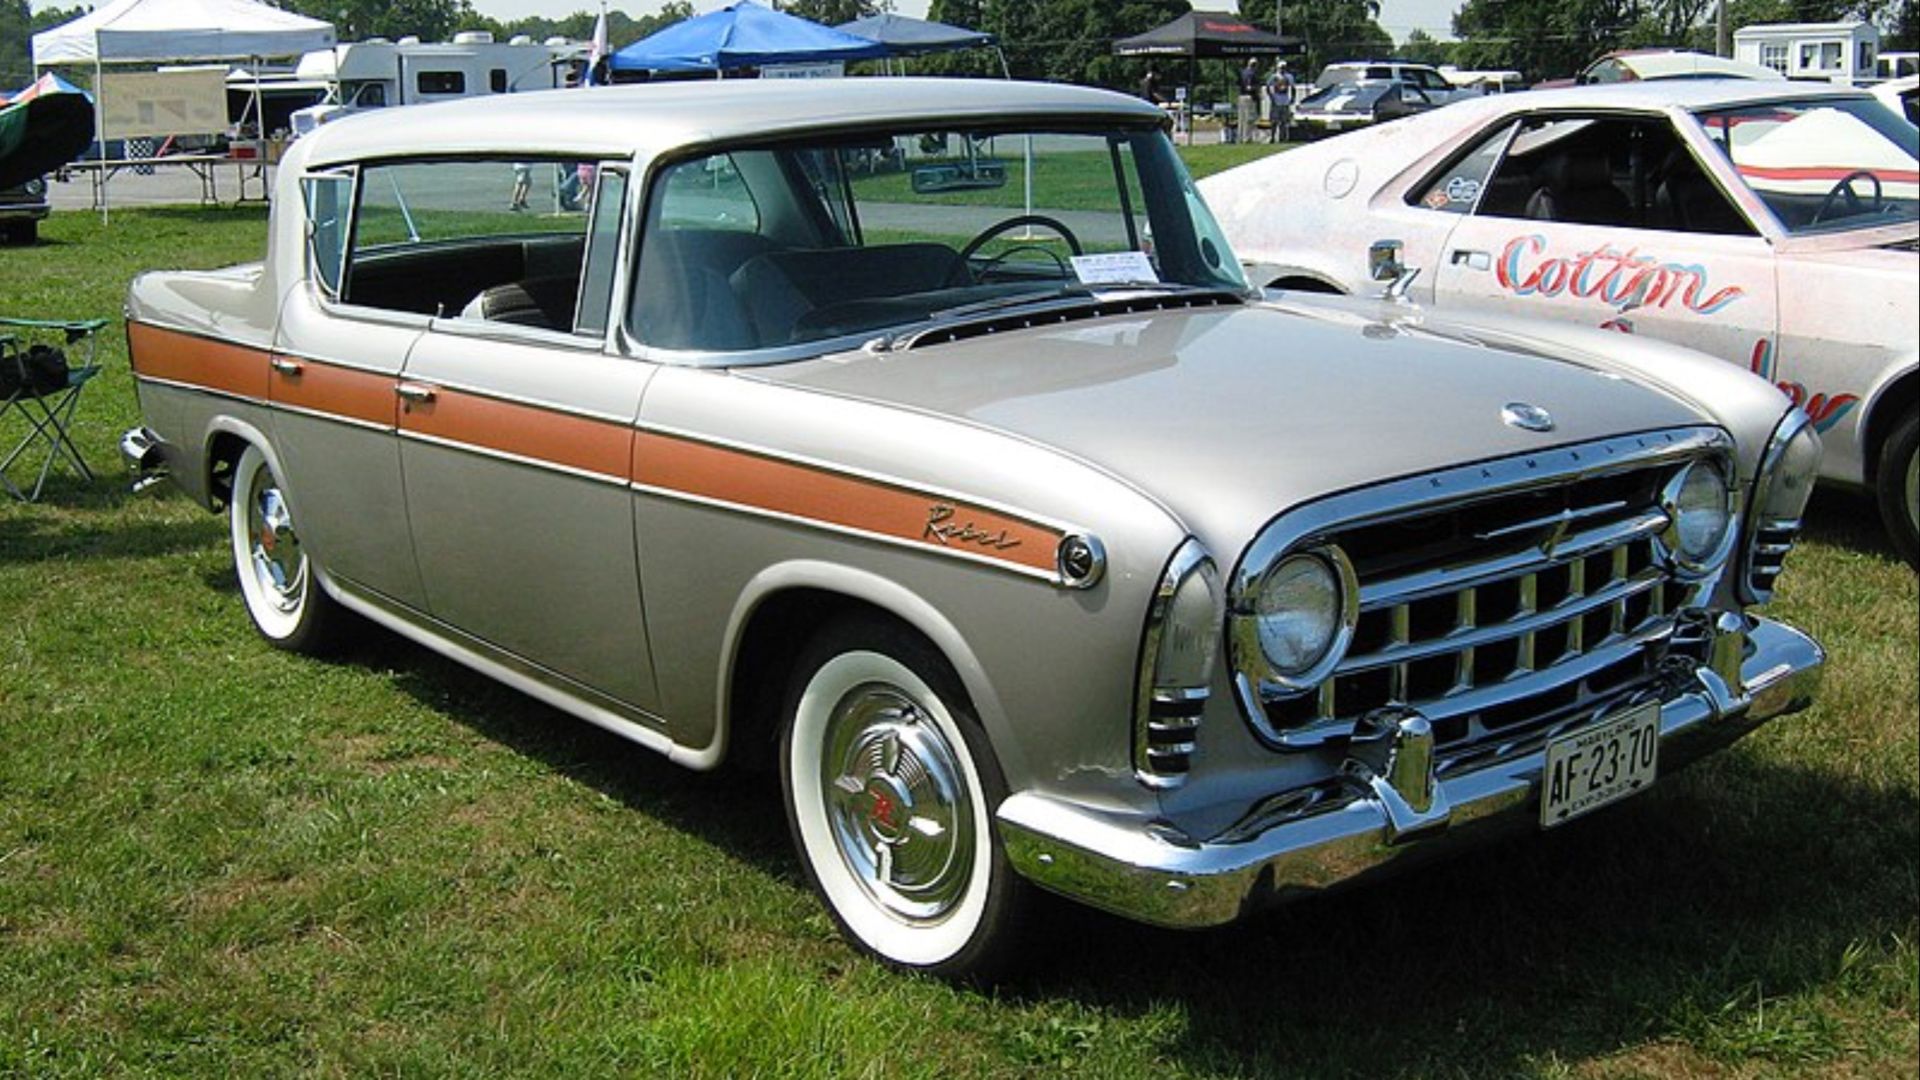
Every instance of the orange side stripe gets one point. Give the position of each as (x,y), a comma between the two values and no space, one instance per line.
(197,361)
(595,446)
(744,479)
(336,391)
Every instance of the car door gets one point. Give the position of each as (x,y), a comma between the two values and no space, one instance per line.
(331,380)
(516,440)
(1612,221)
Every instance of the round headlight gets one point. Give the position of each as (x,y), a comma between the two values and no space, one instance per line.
(1698,504)
(35,187)
(1298,613)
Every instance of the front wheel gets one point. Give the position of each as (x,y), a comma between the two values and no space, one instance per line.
(286,604)
(1898,489)
(890,791)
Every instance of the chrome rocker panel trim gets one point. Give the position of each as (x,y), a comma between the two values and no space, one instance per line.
(1150,871)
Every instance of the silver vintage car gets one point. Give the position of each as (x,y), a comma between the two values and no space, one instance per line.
(923,440)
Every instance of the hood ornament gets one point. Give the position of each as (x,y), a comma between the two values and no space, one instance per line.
(1526,417)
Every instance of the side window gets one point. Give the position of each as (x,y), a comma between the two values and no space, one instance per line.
(1617,171)
(1607,71)
(441,82)
(603,252)
(329,201)
(495,240)
(1457,188)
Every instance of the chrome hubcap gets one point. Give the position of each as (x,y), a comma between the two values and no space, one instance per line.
(278,565)
(897,804)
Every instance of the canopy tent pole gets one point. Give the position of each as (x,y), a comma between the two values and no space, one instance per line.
(100,125)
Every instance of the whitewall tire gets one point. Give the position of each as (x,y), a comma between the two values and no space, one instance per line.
(890,792)
(286,604)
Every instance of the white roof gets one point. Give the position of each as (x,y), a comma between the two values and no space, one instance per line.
(618,121)
(123,31)
(1678,63)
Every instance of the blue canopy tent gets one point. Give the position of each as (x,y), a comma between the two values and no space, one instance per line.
(904,36)
(742,35)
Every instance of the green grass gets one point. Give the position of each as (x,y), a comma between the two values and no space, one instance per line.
(220,859)
(1071,180)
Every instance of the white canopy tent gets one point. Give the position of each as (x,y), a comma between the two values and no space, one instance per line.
(173,31)
(157,31)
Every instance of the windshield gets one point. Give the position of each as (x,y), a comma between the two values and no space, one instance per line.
(1823,165)
(777,247)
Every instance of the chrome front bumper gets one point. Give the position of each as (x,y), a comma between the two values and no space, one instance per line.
(1755,670)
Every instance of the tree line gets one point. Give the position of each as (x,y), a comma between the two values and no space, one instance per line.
(1072,40)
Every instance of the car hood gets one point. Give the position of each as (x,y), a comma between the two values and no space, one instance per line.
(1228,415)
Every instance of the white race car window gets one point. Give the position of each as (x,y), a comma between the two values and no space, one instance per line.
(1622,172)
(1456,189)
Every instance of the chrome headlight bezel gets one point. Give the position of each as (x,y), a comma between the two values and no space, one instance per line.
(1249,656)
(1704,559)
(1179,653)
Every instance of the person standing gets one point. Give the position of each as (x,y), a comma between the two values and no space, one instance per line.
(1249,111)
(1280,102)
(1150,85)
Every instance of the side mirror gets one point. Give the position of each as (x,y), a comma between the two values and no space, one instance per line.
(1383,260)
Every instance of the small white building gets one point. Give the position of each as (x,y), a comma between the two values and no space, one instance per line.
(1843,52)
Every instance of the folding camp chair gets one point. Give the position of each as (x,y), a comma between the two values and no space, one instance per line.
(36,382)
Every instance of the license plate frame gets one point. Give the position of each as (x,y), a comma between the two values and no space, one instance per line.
(1600,764)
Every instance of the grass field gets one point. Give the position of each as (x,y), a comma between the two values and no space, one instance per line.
(220,859)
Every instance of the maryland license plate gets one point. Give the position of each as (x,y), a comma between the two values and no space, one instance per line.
(1590,768)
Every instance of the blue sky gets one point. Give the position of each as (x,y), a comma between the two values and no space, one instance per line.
(1399,17)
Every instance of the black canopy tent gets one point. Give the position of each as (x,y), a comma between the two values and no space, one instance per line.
(905,36)
(1207,35)
(1203,35)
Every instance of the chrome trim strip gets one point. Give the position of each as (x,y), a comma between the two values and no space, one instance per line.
(196,388)
(944,494)
(847,530)
(627,721)
(347,365)
(515,399)
(203,335)
(457,325)
(517,459)
(1753,528)
(349,421)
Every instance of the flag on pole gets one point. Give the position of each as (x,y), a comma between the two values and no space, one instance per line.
(597,56)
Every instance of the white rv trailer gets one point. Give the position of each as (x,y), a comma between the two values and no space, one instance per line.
(377,74)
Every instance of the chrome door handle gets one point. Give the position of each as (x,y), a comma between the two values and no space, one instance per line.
(287,367)
(413,391)
(1472,260)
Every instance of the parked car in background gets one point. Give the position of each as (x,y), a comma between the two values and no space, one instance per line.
(1642,65)
(1426,78)
(22,208)
(1768,224)
(1902,96)
(1348,106)
(923,439)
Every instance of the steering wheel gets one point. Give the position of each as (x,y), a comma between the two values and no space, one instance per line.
(989,265)
(998,227)
(1845,187)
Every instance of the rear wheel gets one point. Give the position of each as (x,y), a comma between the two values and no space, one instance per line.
(890,791)
(1898,489)
(287,605)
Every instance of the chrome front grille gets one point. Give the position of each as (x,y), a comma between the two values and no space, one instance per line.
(1497,613)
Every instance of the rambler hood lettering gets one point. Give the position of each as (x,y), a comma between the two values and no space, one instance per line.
(1610,276)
